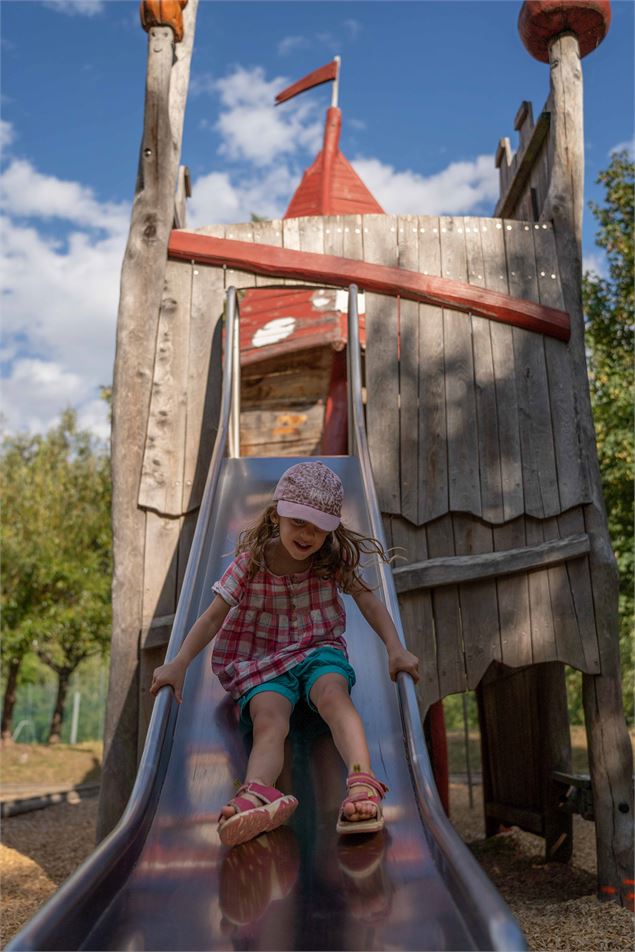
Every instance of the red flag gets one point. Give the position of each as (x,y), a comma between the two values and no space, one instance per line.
(325,74)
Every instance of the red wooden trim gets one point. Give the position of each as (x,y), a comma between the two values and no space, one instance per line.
(378,278)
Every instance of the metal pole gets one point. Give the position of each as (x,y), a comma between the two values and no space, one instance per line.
(468,763)
(336,84)
(232,344)
(75,718)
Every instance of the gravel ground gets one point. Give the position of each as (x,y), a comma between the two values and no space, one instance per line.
(554,903)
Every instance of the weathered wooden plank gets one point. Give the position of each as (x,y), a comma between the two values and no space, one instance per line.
(382,367)
(447,614)
(311,232)
(294,430)
(149,659)
(204,380)
(378,278)
(240,277)
(479,602)
(572,472)
(334,235)
(485,386)
(291,239)
(477,562)
(463,464)
(186,537)
(543,639)
(161,486)
(267,233)
(416,610)
(582,592)
(495,275)
(540,479)
(353,246)
(160,575)
(408,253)
(157,633)
(513,599)
(434,498)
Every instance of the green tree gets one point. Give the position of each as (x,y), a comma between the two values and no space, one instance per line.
(610,318)
(56,541)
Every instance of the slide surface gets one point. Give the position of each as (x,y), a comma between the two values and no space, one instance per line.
(162,879)
(300,887)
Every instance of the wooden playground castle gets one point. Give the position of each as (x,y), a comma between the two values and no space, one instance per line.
(479,427)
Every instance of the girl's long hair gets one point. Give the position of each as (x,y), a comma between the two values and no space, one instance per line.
(339,557)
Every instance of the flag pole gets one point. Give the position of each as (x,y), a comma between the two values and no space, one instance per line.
(336,84)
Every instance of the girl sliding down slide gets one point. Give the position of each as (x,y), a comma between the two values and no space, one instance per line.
(279,626)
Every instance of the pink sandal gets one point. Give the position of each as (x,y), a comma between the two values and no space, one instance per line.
(373,824)
(249,820)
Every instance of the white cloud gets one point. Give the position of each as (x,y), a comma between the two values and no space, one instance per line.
(596,262)
(219,199)
(354,28)
(27,193)
(253,129)
(629,147)
(86,8)
(59,298)
(460,188)
(289,43)
(7,135)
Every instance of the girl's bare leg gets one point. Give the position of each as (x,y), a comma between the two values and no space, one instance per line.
(270,713)
(330,696)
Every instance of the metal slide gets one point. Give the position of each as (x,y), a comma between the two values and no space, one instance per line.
(162,880)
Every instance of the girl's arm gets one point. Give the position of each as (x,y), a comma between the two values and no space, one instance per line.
(200,634)
(378,617)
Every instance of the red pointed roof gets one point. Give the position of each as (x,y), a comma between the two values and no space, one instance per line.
(331,186)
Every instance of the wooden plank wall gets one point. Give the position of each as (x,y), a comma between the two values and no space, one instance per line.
(472,433)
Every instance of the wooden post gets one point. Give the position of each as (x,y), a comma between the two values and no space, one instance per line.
(609,747)
(142,278)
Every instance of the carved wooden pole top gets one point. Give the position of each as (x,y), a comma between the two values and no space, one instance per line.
(163,13)
(541,21)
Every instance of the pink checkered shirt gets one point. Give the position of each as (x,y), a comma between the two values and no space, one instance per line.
(274,622)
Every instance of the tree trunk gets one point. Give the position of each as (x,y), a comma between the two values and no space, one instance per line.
(10,694)
(55,730)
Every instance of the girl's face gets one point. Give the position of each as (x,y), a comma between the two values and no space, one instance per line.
(300,539)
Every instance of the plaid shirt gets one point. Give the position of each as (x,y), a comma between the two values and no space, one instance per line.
(273,623)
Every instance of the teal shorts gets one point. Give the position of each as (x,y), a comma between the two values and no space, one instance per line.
(299,680)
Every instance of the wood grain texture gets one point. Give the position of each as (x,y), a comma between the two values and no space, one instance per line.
(434,498)
(204,379)
(382,367)
(161,485)
(238,254)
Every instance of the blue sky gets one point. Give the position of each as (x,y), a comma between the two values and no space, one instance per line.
(428,87)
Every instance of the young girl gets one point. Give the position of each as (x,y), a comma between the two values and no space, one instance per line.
(280,624)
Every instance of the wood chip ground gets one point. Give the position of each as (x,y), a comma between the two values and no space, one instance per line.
(555,904)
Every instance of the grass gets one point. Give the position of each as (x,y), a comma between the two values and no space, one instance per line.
(71,764)
(81,763)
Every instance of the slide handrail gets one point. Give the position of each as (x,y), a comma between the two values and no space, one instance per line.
(487,916)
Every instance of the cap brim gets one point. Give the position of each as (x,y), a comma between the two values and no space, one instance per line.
(323,520)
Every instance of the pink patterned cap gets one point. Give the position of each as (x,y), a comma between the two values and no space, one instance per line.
(313,492)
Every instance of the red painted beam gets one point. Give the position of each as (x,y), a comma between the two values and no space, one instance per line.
(378,278)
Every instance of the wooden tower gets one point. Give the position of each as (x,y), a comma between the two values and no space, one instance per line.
(479,425)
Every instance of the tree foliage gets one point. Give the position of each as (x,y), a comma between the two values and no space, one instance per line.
(56,541)
(609,306)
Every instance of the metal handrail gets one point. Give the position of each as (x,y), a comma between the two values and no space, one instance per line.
(484,909)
